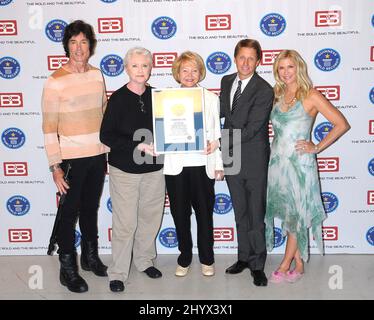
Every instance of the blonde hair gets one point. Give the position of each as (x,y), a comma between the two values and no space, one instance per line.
(188,56)
(304,83)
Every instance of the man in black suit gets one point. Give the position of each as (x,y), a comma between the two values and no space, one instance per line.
(246,101)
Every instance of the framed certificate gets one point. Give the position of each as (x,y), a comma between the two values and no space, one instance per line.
(178,120)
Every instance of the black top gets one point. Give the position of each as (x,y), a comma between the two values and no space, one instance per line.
(123,116)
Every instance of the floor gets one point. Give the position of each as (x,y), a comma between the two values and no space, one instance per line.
(330,277)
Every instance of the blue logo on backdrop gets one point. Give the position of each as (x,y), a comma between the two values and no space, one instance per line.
(168,238)
(77,238)
(18,205)
(55,30)
(13,138)
(273,24)
(371,167)
(330,201)
(278,237)
(5,2)
(327,59)
(218,62)
(9,68)
(164,28)
(370,236)
(222,204)
(371,95)
(372,20)
(109,204)
(112,65)
(322,130)
(108,1)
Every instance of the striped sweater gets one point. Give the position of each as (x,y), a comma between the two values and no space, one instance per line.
(73,105)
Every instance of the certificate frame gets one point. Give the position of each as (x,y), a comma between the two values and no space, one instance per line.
(178,120)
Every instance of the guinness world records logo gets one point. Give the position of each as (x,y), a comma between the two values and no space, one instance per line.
(327,59)
(222,204)
(370,236)
(218,62)
(9,68)
(273,24)
(168,238)
(371,167)
(322,130)
(371,95)
(279,239)
(18,205)
(55,30)
(330,201)
(112,65)
(13,138)
(164,28)
(5,2)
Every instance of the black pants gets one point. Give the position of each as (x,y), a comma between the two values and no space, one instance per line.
(86,180)
(192,187)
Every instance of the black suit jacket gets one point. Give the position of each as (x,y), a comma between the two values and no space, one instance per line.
(251,116)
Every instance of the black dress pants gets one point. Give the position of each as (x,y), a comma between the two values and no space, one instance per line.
(192,187)
(86,180)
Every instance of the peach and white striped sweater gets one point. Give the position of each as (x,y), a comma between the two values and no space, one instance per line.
(73,105)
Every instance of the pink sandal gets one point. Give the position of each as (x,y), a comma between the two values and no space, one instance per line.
(277,277)
(293,276)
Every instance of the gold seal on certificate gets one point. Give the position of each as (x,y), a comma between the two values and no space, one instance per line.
(178,120)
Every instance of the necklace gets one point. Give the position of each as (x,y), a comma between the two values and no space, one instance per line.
(290,103)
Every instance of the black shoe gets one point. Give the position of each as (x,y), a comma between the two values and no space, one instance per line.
(90,260)
(153,273)
(116,286)
(259,278)
(69,275)
(237,267)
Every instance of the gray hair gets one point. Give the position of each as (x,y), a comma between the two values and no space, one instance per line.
(137,50)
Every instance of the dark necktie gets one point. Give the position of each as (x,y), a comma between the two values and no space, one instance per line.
(237,95)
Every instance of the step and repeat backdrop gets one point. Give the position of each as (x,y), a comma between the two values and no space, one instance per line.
(336,38)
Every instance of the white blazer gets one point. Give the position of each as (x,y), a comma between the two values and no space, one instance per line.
(173,163)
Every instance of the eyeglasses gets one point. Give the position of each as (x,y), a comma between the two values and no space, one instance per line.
(142,106)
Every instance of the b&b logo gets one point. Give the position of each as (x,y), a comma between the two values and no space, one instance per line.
(112,65)
(8,27)
(278,237)
(273,24)
(372,53)
(330,233)
(110,25)
(216,91)
(370,197)
(18,205)
(54,30)
(218,22)
(218,62)
(331,93)
(222,204)
(371,126)
(56,62)
(164,59)
(11,100)
(167,201)
(328,164)
(328,18)
(9,68)
(223,234)
(13,138)
(268,57)
(20,235)
(168,238)
(271,131)
(322,130)
(371,167)
(164,28)
(370,236)
(327,59)
(15,169)
(330,201)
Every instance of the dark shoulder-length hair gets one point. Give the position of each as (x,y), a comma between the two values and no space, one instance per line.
(75,28)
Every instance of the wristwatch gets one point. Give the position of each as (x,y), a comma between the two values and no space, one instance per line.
(54,167)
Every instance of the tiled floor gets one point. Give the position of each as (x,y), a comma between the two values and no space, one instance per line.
(331,277)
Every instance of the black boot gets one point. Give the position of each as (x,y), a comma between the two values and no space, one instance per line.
(69,276)
(90,260)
